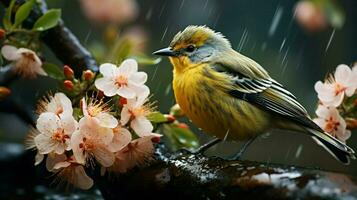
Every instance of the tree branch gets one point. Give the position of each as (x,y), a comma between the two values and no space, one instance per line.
(186,176)
(62,42)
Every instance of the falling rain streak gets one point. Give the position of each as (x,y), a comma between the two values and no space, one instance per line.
(330,40)
(243,40)
(275,22)
(164,34)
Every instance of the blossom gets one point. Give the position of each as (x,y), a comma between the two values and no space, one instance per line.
(137,152)
(91,141)
(58,104)
(55,133)
(68,169)
(24,61)
(124,80)
(110,11)
(330,121)
(310,16)
(135,111)
(98,110)
(332,92)
(121,138)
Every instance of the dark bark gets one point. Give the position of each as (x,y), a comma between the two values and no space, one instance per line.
(199,177)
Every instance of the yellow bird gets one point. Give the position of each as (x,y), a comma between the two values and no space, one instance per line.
(231,96)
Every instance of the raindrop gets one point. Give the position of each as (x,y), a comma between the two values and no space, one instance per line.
(275,22)
(164,34)
(264,46)
(155,71)
(330,40)
(282,45)
(87,36)
(149,14)
(205,6)
(162,9)
(298,151)
(168,89)
(183,1)
(243,40)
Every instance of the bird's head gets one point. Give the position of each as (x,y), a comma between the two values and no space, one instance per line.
(195,45)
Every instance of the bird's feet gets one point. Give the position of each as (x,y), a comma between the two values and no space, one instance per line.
(202,148)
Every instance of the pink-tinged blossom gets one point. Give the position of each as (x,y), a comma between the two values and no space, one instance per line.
(332,92)
(58,104)
(110,11)
(137,152)
(98,111)
(69,170)
(91,141)
(124,80)
(121,138)
(55,133)
(329,119)
(136,112)
(24,61)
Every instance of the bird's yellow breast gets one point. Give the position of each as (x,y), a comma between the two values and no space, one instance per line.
(202,94)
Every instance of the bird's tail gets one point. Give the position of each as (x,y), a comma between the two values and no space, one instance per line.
(339,150)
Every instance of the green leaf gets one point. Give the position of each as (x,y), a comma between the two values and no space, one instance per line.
(157,117)
(53,71)
(7,17)
(146,60)
(49,20)
(23,12)
(335,14)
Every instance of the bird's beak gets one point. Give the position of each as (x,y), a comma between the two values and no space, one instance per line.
(165,52)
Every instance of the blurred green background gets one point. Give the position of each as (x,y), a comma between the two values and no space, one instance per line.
(263,30)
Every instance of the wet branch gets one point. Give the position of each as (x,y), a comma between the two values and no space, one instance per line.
(188,176)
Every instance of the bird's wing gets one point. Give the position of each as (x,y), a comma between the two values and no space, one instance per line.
(267,94)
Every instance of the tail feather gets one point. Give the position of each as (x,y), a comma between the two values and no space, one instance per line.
(339,150)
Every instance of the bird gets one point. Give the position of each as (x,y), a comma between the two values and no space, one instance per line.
(230,96)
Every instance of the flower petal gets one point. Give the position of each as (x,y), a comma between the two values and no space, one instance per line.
(107,86)
(81,179)
(121,139)
(10,53)
(69,124)
(38,158)
(107,120)
(53,159)
(125,115)
(76,140)
(141,126)
(138,78)
(44,144)
(342,74)
(126,92)
(48,123)
(103,156)
(127,67)
(107,69)
(63,101)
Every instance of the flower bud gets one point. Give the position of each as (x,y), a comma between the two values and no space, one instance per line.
(100,94)
(88,75)
(68,72)
(4,92)
(2,33)
(155,139)
(170,118)
(182,125)
(68,85)
(176,111)
(123,101)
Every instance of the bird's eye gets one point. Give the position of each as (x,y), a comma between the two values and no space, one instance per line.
(190,48)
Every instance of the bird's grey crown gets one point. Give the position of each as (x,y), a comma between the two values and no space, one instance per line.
(216,38)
